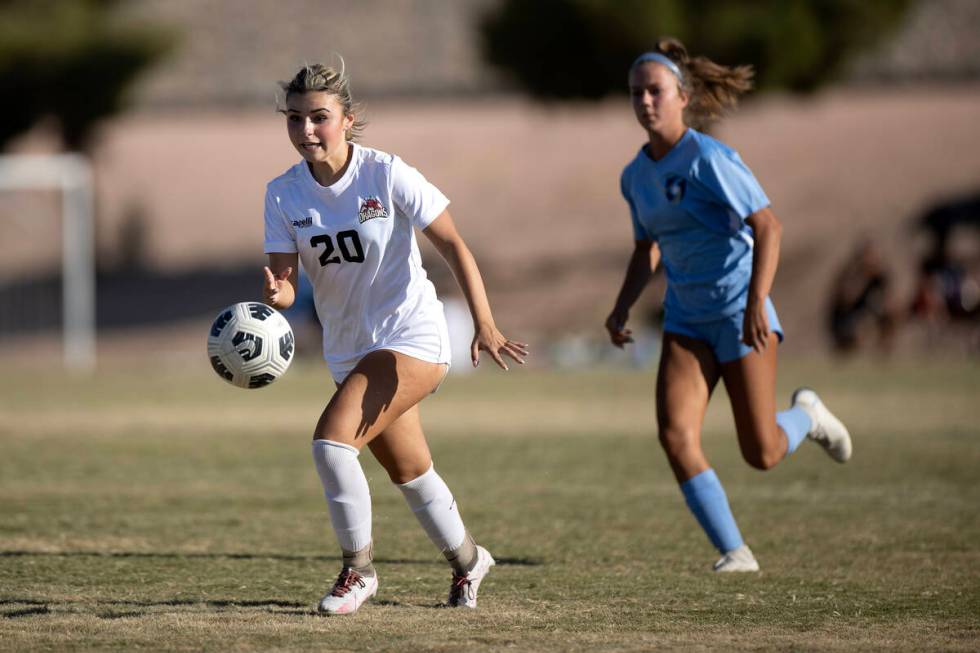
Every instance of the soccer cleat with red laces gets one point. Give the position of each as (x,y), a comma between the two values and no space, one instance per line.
(462,593)
(349,592)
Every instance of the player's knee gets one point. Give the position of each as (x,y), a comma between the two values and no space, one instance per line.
(762,445)
(762,458)
(337,439)
(405,474)
(677,441)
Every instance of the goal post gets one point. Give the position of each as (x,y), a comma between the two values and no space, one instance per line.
(72,175)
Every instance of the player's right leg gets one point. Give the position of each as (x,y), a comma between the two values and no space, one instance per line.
(687,376)
(375,394)
(349,504)
(403,452)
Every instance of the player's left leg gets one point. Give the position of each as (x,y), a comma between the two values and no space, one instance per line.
(403,452)
(382,386)
(764,436)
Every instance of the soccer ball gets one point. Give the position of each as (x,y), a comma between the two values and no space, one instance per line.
(250,345)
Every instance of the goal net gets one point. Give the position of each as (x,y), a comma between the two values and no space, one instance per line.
(47,272)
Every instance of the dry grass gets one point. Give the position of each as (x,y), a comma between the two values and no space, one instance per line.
(179,514)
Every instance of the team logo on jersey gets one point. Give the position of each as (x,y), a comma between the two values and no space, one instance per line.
(305,222)
(674,188)
(371,207)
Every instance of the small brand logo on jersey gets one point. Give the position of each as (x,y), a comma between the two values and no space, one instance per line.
(674,188)
(371,207)
(305,222)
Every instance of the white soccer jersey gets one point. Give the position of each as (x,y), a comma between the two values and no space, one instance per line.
(356,242)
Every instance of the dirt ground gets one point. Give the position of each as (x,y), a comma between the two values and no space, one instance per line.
(534,190)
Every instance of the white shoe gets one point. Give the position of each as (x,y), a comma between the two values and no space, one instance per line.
(740,559)
(348,593)
(462,593)
(827,431)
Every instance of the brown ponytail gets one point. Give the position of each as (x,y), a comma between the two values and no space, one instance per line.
(714,89)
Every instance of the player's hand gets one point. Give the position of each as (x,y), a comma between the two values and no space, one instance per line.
(273,285)
(616,326)
(487,338)
(755,326)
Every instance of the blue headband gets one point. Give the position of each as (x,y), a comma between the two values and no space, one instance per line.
(661,59)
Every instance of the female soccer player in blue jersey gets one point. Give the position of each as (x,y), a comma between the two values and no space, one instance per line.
(698,210)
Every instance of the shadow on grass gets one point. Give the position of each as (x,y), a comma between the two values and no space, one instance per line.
(130,609)
(107,609)
(519,562)
(26,612)
(24,607)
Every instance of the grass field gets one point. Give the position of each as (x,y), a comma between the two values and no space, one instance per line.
(178,513)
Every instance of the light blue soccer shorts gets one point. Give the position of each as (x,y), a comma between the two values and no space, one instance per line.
(724,336)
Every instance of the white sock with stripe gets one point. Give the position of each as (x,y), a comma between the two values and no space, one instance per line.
(433,504)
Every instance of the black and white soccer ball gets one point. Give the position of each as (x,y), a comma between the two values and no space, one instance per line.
(250,345)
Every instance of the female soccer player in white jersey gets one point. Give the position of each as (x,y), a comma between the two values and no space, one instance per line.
(698,209)
(347,213)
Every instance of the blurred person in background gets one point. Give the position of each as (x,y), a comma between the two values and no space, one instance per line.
(861,304)
(948,286)
(348,214)
(699,210)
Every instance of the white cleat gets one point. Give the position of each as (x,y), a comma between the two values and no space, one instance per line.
(348,593)
(740,559)
(827,431)
(462,593)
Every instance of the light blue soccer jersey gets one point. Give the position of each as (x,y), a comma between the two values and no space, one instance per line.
(693,204)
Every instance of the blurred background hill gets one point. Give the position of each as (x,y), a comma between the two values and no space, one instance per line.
(866,120)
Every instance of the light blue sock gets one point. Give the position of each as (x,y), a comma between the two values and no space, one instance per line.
(707,500)
(795,424)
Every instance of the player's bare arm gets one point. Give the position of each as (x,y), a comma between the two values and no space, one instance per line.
(280,282)
(765,258)
(443,235)
(643,262)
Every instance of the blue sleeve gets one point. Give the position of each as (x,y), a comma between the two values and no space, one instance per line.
(730,182)
(639,231)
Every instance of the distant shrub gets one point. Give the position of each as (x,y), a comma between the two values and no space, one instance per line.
(564,49)
(69,60)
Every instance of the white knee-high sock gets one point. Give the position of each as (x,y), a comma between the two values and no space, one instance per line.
(430,499)
(347,493)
